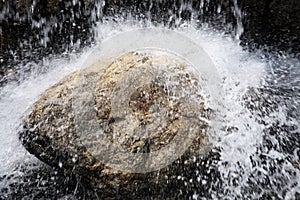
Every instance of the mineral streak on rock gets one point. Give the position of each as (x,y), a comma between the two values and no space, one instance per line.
(143,103)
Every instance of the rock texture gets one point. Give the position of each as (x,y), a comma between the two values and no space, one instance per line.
(141,103)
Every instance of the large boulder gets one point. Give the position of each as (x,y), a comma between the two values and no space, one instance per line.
(120,125)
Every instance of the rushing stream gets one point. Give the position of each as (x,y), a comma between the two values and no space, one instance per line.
(258,132)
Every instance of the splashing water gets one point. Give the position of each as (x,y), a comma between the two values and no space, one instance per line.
(258,131)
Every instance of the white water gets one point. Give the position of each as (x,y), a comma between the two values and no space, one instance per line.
(238,69)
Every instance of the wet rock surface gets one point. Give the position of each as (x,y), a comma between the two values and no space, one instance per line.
(40,181)
(62,128)
(37,181)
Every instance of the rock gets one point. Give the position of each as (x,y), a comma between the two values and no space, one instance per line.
(137,121)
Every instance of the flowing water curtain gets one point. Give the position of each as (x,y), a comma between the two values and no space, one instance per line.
(32,29)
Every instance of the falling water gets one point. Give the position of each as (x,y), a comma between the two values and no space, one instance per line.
(258,134)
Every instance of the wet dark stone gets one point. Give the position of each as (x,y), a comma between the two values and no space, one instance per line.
(40,181)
